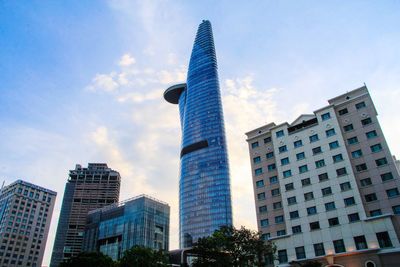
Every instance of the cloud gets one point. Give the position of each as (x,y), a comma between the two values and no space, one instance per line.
(126,60)
(104,82)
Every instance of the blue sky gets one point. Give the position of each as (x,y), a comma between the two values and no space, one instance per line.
(82,81)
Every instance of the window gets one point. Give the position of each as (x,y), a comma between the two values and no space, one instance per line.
(366,121)
(284,161)
(271,167)
(260,183)
(386,176)
(352,141)
(282,149)
(294,214)
(356,154)
(291,200)
(348,127)
(254,145)
(394,192)
(312,210)
(281,232)
(361,167)
(273,179)
(277,205)
(279,219)
(345,186)
(263,209)
(267,140)
(296,229)
(319,249)
(384,240)
(287,173)
(269,155)
(337,158)
(308,196)
(289,186)
(333,221)
(381,162)
(376,148)
(320,163)
(349,201)
(360,105)
(339,246)
(300,156)
(330,132)
(343,111)
(326,116)
(298,143)
(323,177)
(282,256)
(316,150)
(374,213)
(314,138)
(264,223)
(330,206)
(314,226)
(370,197)
(275,192)
(326,191)
(333,145)
(257,159)
(365,182)
(261,196)
(305,182)
(265,236)
(354,217)
(396,209)
(280,133)
(300,253)
(371,134)
(258,171)
(360,242)
(303,169)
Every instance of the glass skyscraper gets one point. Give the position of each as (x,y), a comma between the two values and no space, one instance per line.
(204,186)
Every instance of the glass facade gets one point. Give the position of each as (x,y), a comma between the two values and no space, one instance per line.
(204,195)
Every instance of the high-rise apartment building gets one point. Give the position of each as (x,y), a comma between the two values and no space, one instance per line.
(204,186)
(87,189)
(25,215)
(139,221)
(326,186)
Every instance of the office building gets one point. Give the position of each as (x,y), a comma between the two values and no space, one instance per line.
(326,186)
(204,185)
(141,221)
(25,215)
(87,189)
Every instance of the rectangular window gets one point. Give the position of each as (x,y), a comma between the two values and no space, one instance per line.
(282,149)
(280,133)
(348,128)
(271,167)
(349,201)
(371,134)
(289,186)
(264,223)
(396,209)
(360,242)
(282,256)
(352,140)
(296,229)
(337,158)
(305,182)
(314,226)
(354,217)
(339,246)
(360,105)
(313,138)
(333,145)
(370,197)
(365,182)
(277,205)
(381,162)
(303,169)
(319,249)
(326,116)
(281,232)
(258,171)
(330,206)
(384,240)
(265,236)
(284,161)
(366,121)
(374,213)
(308,196)
(287,173)
(320,163)
(300,156)
(326,191)
(260,183)
(267,140)
(333,221)
(254,145)
(316,150)
(263,209)
(376,148)
(356,154)
(345,186)
(291,200)
(257,159)
(275,192)
(386,176)
(330,132)
(343,111)
(300,253)
(298,143)
(279,219)
(269,155)
(273,179)
(361,167)
(294,214)
(261,196)
(312,210)
(393,192)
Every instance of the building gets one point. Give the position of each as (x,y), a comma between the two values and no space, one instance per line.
(87,189)
(204,186)
(25,215)
(326,186)
(142,221)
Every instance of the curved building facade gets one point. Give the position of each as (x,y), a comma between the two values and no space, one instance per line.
(204,186)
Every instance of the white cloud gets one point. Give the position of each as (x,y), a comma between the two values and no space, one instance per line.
(103,82)
(127,60)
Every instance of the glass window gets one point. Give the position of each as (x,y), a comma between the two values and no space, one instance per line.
(280,133)
(326,191)
(300,253)
(349,201)
(282,256)
(316,150)
(284,161)
(305,182)
(254,145)
(337,158)
(281,232)
(360,242)
(313,138)
(365,182)
(282,149)
(326,116)
(371,134)
(308,196)
(264,223)
(298,143)
(258,171)
(260,183)
(396,209)
(354,217)
(386,176)
(271,167)
(263,209)
(339,246)
(277,205)
(352,140)
(296,229)
(361,167)
(261,196)
(366,121)
(320,163)
(343,111)
(384,240)
(356,154)
(289,186)
(267,140)
(269,155)
(279,219)
(303,169)
(393,192)
(294,214)
(291,200)
(265,236)
(348,127)
(330,132)
(319,249)
(257,159)
(360,105)
(275,192)
(333,145)
(300,156)
(370,197)
(376,148)
(381,162)
(287,173)
(330,206)
(314,226)
(333,221)
(312,210)
(345,186)
(273,180)
(374,213)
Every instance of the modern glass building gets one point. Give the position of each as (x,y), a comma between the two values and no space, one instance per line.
(204,187)
(142,221)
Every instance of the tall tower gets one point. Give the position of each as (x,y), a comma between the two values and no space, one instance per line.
(204,186)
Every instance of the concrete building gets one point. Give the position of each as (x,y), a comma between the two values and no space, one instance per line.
(25,215)
(142,221)
(326,186)
(87,189)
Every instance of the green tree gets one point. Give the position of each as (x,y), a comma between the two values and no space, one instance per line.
(229,246)
(85,259)
(139,256)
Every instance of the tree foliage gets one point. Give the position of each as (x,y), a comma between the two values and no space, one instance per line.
(143,257)
(229,246)
(89,259)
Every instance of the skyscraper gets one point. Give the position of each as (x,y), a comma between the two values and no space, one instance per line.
(326,186)
(25,215)
(87,189)
(204,186)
